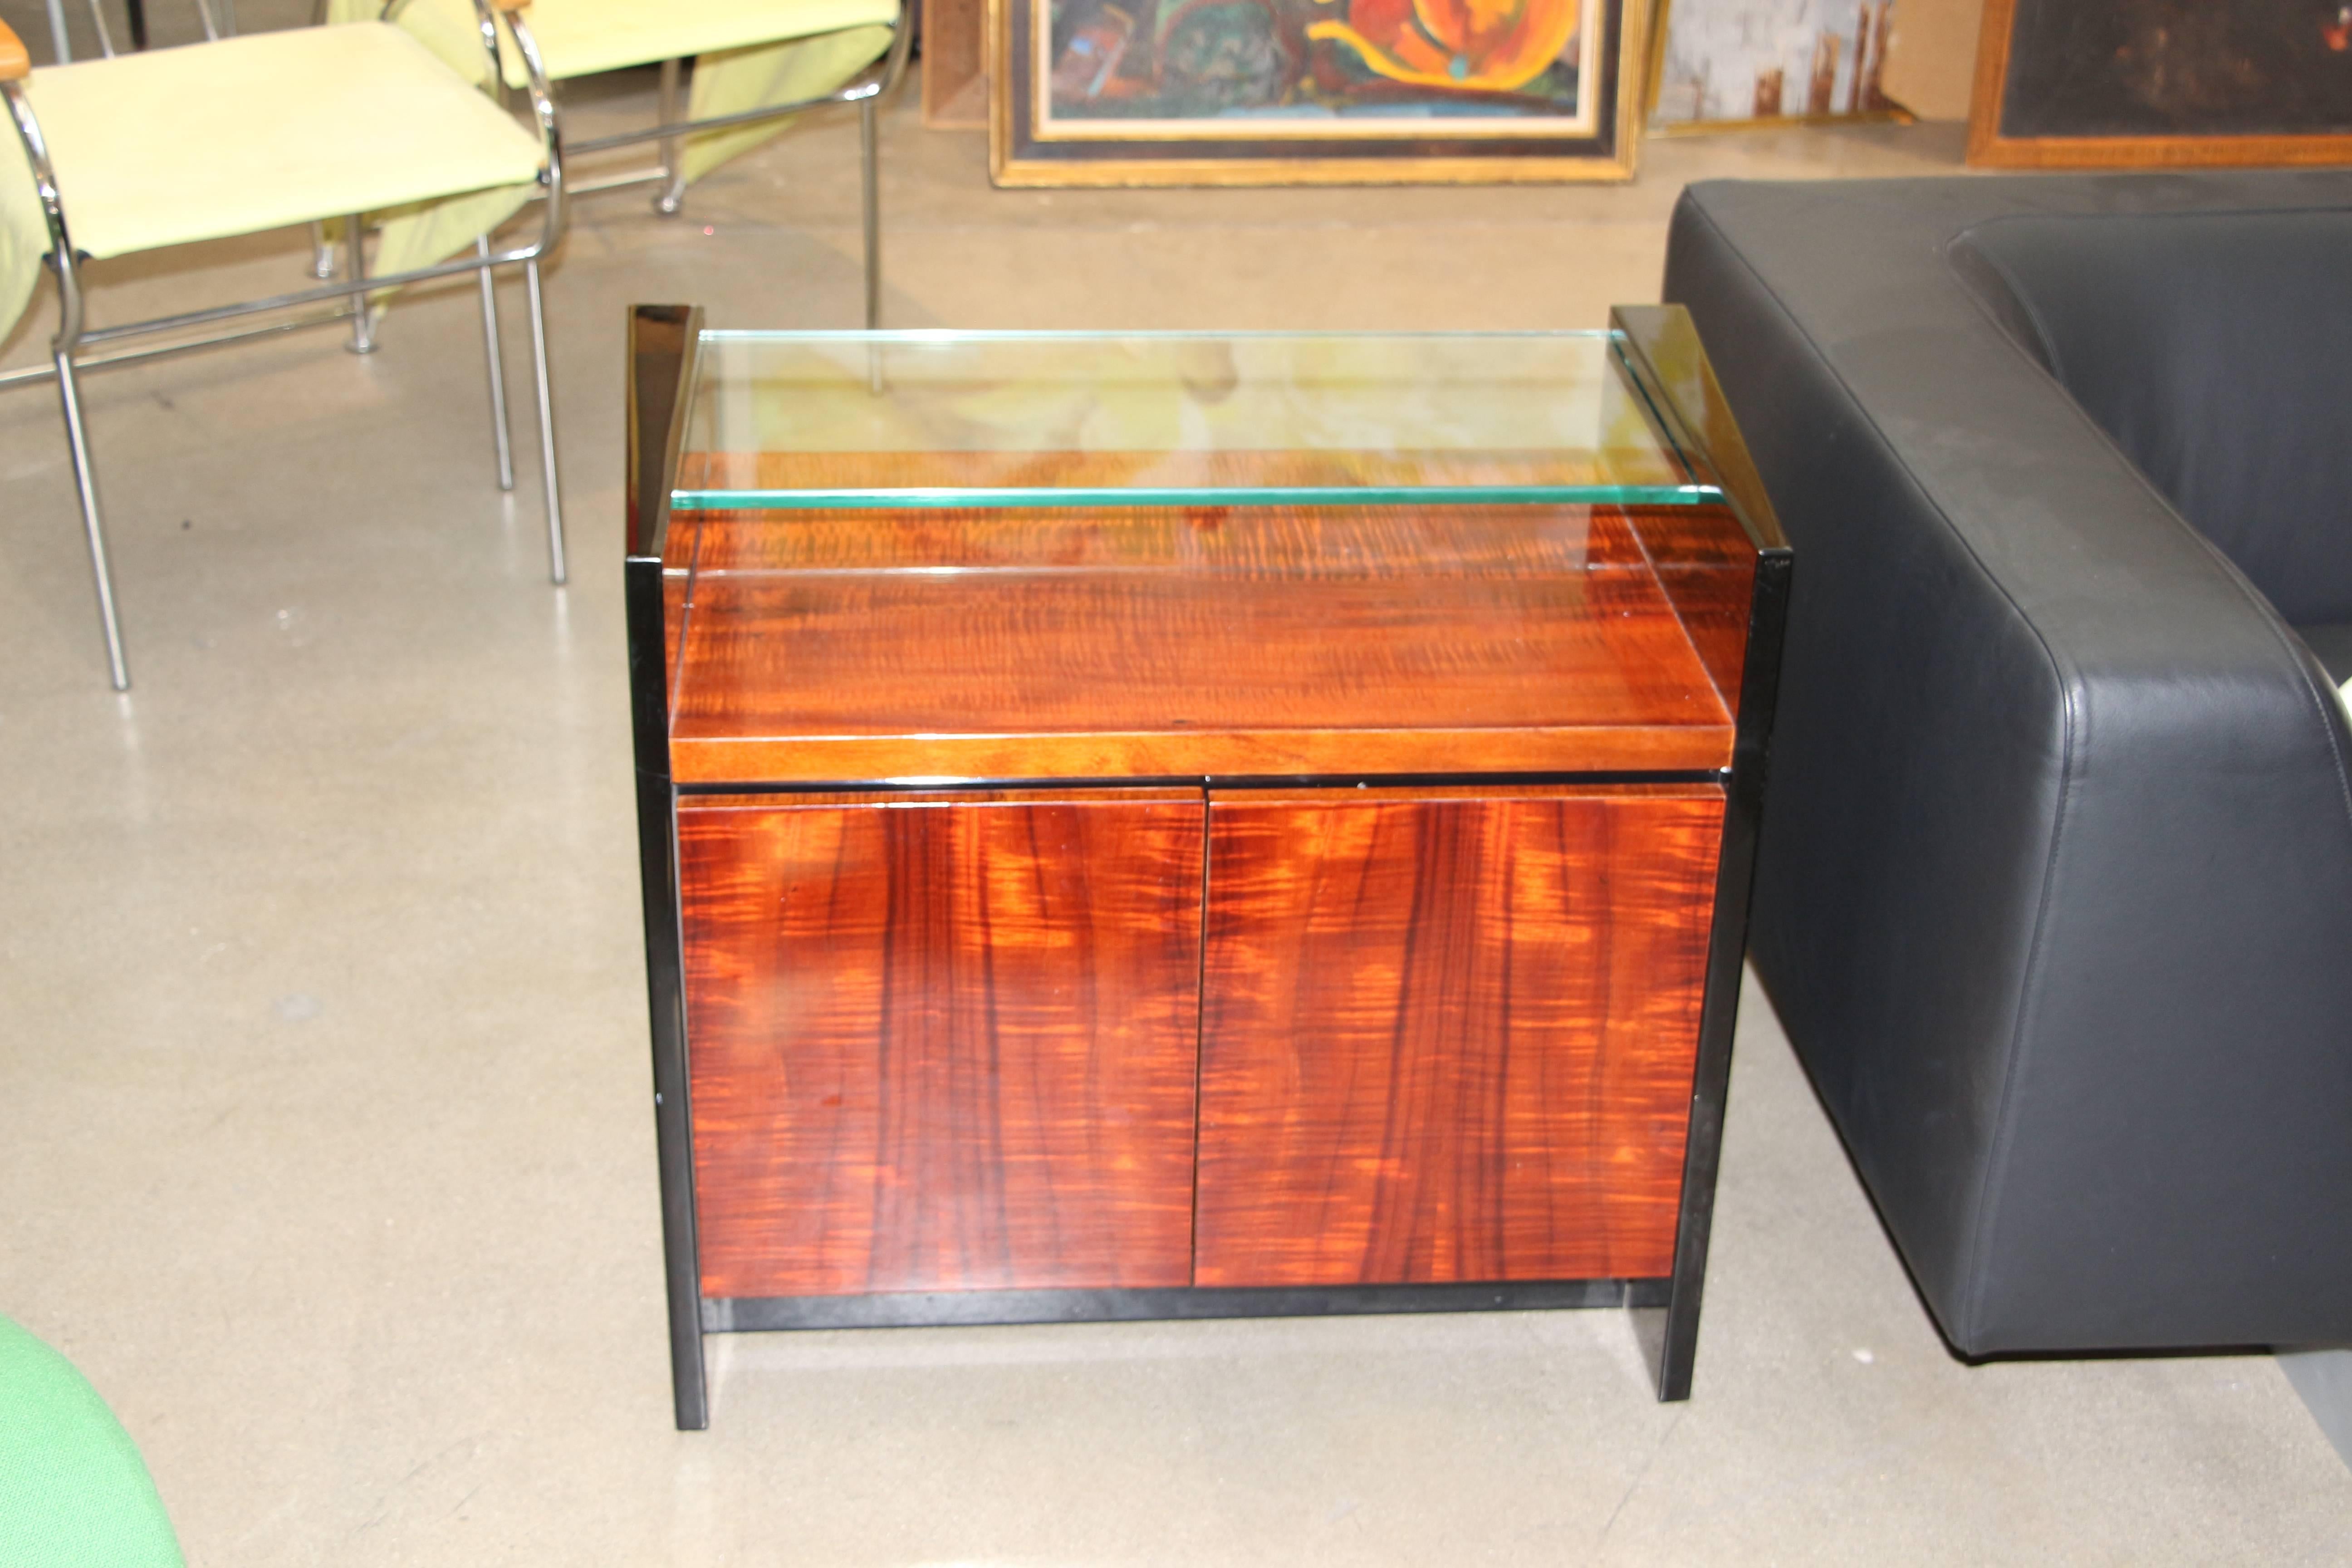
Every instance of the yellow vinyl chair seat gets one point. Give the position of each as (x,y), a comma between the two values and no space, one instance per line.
(262,131)
(578,37)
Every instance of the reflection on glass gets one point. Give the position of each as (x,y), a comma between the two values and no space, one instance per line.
(797,420)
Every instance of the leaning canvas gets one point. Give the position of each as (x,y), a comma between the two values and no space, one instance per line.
(1744,62)
(1280,91)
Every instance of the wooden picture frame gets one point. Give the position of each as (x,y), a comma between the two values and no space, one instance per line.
(1329,102)
(2115,84)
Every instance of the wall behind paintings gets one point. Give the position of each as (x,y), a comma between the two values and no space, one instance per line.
(1931,57)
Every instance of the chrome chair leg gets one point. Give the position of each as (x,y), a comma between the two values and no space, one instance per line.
(86,484)
(671,198)
(57,42)
(105,35)
(362,314)
(556,571)
(498,368)
(322,255)
(871,190)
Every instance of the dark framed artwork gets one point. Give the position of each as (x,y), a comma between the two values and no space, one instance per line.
(1261,92)
(2136,83)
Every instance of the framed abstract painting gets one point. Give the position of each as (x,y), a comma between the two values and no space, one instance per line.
(2144,83)
(1267,92)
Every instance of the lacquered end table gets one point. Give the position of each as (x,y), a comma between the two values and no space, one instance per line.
(1164,825)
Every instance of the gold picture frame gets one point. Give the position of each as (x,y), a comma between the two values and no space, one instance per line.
(2053,91)
(1337,106)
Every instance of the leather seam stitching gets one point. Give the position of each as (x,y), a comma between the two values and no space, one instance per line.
(2052,359)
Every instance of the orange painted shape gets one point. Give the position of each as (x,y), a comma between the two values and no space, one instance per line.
(1490,46)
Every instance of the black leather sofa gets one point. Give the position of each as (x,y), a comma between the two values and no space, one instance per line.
(2054,892)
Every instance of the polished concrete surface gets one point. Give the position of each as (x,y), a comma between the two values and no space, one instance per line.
(325,1133)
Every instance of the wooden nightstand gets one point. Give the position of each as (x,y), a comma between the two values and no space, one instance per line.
(1162,825)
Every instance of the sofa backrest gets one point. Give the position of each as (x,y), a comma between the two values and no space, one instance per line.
(2216,350)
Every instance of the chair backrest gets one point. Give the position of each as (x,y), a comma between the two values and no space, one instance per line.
(2216,350)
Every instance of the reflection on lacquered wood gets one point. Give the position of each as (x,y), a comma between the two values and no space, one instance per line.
(1214,471)
(942,1046)
(1248,640)
(1451,1038)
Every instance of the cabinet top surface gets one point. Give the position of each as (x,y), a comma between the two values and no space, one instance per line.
(963,557)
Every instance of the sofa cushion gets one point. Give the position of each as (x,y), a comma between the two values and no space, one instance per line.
(2216,350)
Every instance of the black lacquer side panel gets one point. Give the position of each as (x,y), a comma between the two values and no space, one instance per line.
(1727,956)
(1660,347)
(661,343)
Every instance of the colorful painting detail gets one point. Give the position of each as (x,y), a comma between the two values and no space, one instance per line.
(1304,64)
(1772,59)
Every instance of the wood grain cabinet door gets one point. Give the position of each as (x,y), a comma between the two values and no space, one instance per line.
(946,1042)
(1449,1035)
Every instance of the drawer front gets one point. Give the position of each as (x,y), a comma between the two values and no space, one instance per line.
(942,1043)
(1447,1036)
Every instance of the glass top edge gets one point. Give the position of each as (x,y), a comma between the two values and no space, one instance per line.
(1128,496)
(1001,335)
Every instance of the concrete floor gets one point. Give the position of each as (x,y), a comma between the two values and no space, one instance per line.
(324,1123)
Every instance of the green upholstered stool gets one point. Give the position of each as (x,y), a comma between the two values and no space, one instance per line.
(73,1491)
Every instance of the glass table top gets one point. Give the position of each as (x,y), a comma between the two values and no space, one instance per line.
(798,420)
(974,555)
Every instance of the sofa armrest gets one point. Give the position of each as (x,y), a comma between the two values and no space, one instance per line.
(2056,880)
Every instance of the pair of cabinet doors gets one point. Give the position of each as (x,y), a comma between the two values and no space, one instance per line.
(1155,1037)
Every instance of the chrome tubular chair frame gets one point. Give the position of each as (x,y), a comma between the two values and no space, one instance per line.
(347,297)
(867,91)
